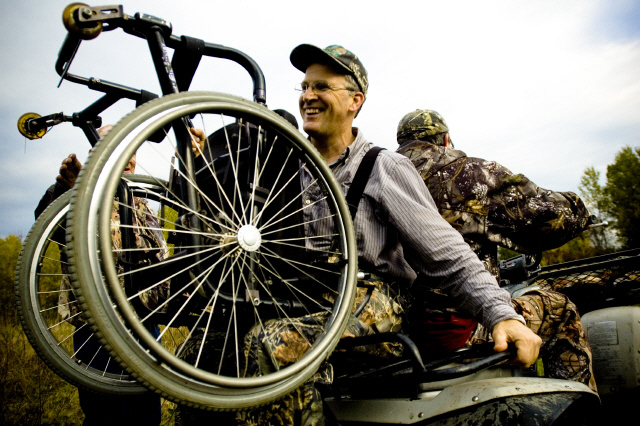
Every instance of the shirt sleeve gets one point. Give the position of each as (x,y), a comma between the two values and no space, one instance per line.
(433,248)
(527,218)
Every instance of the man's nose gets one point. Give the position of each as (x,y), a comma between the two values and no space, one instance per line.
(309,93)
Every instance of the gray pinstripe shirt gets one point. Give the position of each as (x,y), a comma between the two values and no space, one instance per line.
(400,233)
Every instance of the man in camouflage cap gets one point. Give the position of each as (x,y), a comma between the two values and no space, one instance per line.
(400,233)
(337,56)
(421,124)
(491,206)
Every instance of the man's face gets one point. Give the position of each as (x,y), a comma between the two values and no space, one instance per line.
(131,165)
(325,114)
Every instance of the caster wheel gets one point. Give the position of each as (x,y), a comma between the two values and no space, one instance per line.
(70,21)
(23,127)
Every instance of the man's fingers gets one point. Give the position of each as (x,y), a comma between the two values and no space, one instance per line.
(69,170)
(198,140)
(525,356)
(527,343)
(500,342)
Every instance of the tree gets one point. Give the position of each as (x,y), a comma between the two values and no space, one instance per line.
(580,247)
(596,199)
(623,191)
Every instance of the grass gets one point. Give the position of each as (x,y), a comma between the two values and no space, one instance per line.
(30,393)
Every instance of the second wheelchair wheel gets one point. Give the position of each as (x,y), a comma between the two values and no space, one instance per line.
(51,317)
(258,237)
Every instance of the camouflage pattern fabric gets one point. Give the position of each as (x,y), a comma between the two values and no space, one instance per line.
(491,206)
(609,283)
(565,350)
(148,235)
(420,123)
(283,341)
(344,60)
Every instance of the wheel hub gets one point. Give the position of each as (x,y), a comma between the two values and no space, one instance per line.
(249,238)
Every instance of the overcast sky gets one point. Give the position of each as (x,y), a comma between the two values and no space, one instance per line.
(545,87)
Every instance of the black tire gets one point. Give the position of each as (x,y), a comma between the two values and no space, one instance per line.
(37,288)
(229,263)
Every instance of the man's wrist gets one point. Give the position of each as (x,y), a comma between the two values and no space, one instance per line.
(519,318)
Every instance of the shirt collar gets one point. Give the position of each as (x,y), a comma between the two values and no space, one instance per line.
(344,157)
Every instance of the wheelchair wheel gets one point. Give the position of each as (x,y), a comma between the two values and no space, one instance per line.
(259,234)
(43,291)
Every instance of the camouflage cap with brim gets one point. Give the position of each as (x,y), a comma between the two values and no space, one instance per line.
(334,55)
(420,123)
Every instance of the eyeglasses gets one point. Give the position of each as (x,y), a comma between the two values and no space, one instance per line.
(319,87)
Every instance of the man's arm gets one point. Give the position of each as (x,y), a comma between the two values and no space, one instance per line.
(444,256)
(433,248)
(527,218)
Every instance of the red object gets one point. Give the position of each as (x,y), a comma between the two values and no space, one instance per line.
(438,334)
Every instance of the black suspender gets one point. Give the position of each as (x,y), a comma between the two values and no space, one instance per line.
(360,180)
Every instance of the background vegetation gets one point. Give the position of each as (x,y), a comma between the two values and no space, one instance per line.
(30,393)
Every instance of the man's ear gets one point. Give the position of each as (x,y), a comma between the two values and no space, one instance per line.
(358,100)
(447,144)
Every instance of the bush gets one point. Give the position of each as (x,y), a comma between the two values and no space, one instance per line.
(30,393)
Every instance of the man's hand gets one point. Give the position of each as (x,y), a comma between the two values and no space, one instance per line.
(526,341)
(69,171)
(198,139)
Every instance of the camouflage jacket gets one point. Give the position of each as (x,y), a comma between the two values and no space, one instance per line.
(491,206)
(148,235)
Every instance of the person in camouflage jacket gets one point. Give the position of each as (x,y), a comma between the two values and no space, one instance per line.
(490,206)
(107,409)
(483,200)
(111,409)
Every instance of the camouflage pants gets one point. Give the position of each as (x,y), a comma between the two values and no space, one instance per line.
(565,350)
(283,341)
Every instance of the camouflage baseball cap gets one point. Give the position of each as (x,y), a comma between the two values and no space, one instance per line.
(420,123)
(307,54)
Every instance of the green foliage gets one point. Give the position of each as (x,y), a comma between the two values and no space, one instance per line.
(504,253)
(30,393)
(597,201)
(579,248)
(169,223)
(623,190)
(9,252)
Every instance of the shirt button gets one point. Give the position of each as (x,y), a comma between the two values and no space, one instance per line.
(307,201)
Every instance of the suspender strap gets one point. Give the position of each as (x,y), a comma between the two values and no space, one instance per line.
(360,180)
(185,61)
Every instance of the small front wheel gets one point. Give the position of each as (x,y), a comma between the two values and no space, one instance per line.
(70,21)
